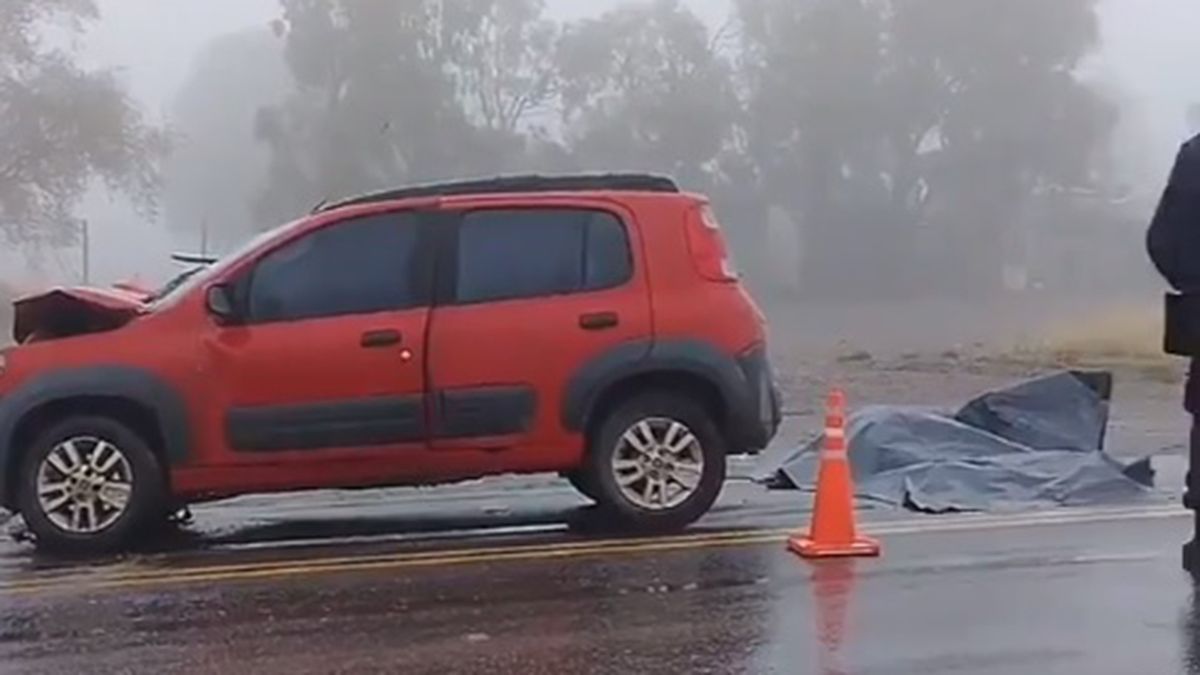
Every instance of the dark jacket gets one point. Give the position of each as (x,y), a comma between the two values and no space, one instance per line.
(1174,236)
(1174,245)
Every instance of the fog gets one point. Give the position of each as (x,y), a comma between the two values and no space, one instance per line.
(205,71)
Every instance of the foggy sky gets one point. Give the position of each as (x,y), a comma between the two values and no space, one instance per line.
(1148,61)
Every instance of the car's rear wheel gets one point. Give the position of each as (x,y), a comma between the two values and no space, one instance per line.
(89,485)
(657,462)
(581,480)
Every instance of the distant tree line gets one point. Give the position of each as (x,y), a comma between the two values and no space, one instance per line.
(907,146)
(903,138)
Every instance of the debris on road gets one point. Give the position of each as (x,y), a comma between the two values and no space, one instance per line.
(1038,443)
(14,528)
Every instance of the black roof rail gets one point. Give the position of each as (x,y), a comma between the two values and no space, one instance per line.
(194,258)
(623,182)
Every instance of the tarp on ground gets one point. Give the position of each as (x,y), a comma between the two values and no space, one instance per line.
(1038,443)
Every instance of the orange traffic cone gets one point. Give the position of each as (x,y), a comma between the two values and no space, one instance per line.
(834,532)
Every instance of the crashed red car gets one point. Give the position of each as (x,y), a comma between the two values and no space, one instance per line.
(586,325)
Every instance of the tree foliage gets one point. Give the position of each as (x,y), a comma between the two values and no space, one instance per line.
(63,127)
(500,60)
(918,127)
(908,140)
(393,92)
(644,87)
(215,169)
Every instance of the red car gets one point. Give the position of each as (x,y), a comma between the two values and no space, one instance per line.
(587,325)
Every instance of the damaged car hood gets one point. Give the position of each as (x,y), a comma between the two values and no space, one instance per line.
(68,311)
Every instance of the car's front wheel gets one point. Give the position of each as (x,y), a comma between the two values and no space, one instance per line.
(89,485)
(657,462)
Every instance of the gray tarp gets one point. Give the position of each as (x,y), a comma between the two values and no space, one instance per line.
(1040,442)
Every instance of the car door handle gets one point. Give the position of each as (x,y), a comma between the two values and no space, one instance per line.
(599,321)
(377,339)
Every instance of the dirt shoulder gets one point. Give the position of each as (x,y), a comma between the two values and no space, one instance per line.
(944,354)
(1146,416)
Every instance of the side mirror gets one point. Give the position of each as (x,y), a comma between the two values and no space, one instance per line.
(219,301)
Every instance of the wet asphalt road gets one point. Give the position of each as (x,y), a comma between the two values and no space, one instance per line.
(411,592)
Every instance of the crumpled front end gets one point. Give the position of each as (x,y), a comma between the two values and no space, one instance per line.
(67,312)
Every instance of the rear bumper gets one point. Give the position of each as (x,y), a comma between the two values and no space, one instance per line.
(754,414)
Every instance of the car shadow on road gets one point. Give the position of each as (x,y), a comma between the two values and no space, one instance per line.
(580,522)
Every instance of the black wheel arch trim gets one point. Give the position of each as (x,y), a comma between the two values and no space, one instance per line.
(729,376)
(136,385)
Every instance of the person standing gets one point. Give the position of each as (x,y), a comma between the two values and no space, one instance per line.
(1173,242)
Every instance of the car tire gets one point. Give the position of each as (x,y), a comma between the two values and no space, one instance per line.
(90,485)
(657,462)
(581,480)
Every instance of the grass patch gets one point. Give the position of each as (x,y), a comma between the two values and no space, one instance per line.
(1122,338)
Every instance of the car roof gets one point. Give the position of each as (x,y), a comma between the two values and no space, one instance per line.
(518,184)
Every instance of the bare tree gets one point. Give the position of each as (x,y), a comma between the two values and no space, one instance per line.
(63,127)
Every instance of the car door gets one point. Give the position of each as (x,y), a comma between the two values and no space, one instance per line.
(326,364)
(536,292)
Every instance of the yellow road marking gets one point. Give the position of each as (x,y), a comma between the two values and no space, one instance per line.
(143,577)
(199,575)
(481,552)
(960,523)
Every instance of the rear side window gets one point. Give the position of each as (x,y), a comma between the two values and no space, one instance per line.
(506,254)
(359,266)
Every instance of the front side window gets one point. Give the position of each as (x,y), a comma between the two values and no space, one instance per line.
(507,254)
(359,266)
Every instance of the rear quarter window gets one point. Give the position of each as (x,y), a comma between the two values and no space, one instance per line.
(507,254)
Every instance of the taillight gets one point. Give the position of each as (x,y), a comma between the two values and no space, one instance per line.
(708,249)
